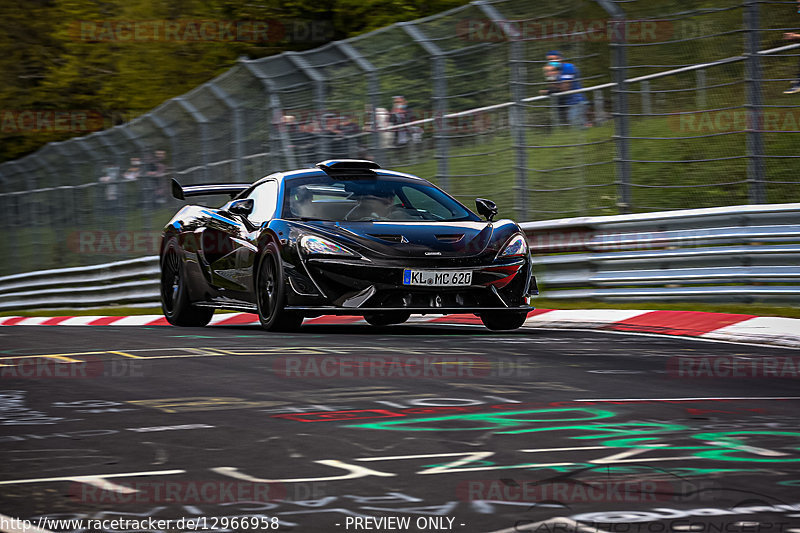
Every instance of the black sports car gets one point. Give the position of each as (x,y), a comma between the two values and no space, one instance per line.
(346,238)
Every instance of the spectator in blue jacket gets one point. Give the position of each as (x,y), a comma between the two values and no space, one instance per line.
(569,80)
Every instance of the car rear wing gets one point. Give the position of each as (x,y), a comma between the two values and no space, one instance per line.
(232,189)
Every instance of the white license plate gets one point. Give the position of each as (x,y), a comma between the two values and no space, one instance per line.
(437,278)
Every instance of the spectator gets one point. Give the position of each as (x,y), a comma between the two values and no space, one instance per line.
(110,178)
(382,121)
(334,140)
(400,115)
(134,171)
(349,131)
(789,36)
(569,80)
(157,172)
(348,127)
(289,123)
(379,121)
(303,143)
(551,74)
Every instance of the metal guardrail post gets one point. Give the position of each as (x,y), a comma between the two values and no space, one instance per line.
(373,92)
(755,142)
(200,119)
(238,134)
(438,69)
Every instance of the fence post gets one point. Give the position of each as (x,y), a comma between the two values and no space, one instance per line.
(278,138)
(620,105)
(373,91)
(72,205)
(238,141)
(99,193)
(122,210)
(755,142)
(320,96)
(200,119)
(440,133)
(148,185)
(171,134)
(700,75)
(14,221)
(647,107)
(516,113)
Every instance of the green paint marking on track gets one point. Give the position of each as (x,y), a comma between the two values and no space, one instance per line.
(492,420)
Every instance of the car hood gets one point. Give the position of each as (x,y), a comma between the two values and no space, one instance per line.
(414,239)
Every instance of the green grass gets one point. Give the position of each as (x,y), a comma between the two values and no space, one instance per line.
(656,185)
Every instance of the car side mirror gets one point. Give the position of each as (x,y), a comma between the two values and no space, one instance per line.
(486,208)
(241,207)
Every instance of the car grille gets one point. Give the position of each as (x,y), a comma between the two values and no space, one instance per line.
(432,299)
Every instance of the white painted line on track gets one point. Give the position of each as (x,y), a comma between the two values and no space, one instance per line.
(82,479)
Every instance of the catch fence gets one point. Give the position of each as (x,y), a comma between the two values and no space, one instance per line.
(684,108)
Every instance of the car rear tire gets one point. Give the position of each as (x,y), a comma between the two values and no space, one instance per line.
(386,319)
(504,320)
(271,294)
(175,303)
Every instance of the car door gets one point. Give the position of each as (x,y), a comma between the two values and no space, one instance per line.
(229,243)
(265,202)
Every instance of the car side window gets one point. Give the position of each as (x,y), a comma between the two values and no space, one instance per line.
(265,200)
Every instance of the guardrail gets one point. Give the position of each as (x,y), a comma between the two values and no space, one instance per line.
(131,282)
(736,254)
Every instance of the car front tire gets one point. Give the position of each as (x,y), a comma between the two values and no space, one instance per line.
(271,294)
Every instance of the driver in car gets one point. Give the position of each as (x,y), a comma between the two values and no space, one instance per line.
(373,204)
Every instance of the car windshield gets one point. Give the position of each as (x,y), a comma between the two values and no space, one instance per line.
(369,199)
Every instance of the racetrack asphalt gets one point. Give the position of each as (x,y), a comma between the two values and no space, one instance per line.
(450,427)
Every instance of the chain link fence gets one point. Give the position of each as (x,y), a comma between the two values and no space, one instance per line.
(682,106)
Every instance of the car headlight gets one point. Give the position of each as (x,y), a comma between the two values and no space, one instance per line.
(312,244)
(517,246)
